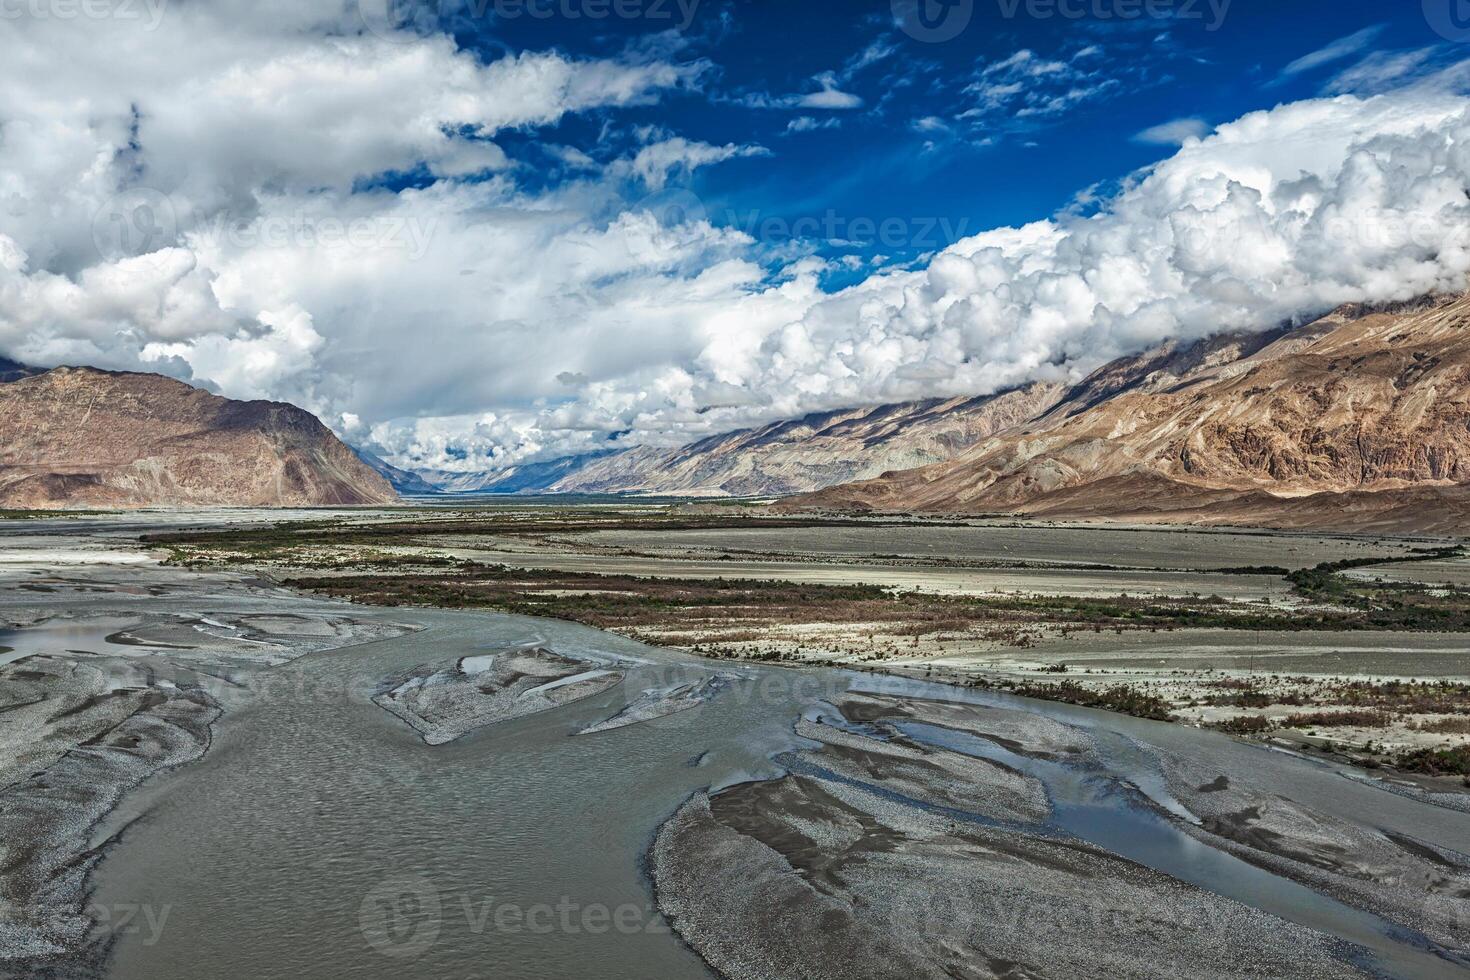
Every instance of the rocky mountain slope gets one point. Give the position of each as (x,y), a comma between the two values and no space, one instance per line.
(402,481)
(784,457)
(1359,419)
(527,478)
(79,437)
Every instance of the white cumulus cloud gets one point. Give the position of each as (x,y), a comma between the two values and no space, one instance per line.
(205,199)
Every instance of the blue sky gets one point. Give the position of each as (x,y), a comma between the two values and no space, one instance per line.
(468,236)
(931,134)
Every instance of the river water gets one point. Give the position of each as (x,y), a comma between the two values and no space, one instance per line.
(321,837)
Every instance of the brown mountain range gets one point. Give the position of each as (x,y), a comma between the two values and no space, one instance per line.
(789,456)
(816,450)
(1358,420)
(79,437)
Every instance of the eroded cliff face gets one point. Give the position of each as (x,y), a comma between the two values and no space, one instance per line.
(79,437)
(1359,411)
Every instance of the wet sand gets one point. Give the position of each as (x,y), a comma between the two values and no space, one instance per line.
(662,702)
(864,854)
(794,829)
(443,704)
(94,706)
(1417,883)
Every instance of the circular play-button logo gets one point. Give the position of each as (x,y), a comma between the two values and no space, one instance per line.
(401,917)
(133,223)
(933,21)
(1449,18)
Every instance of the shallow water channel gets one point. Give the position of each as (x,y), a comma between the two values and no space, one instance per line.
(321,837)
(1104,809)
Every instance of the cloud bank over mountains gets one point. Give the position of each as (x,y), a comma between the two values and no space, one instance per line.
(215,198)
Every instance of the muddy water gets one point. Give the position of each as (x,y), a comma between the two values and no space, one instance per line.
(1104,810)
(320,837)
(89,636)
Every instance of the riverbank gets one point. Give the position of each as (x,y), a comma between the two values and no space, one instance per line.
(1352,646)
(862,796)
(95,704)
(936,838)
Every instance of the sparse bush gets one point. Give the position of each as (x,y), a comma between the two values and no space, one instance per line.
(1340,719)
(1244,725)
(1436,762)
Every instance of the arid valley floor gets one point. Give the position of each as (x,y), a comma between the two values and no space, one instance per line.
(1326,641)
(792,745)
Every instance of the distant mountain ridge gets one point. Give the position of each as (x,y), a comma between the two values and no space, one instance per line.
(790,456)
(402,481)
(1359,419)
(540,477)
(81,437)
(14,370)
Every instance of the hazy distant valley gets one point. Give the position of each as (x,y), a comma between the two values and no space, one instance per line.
(1357,420)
